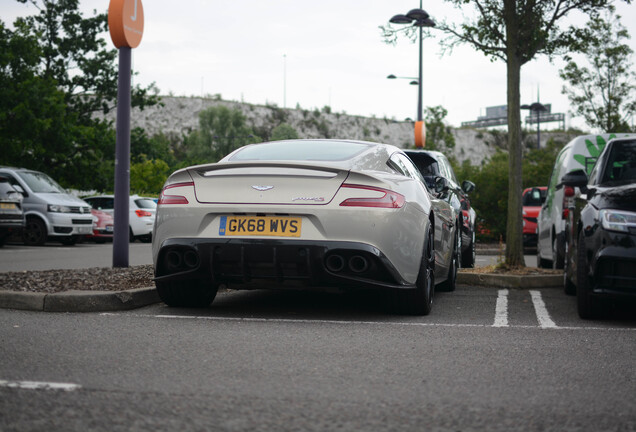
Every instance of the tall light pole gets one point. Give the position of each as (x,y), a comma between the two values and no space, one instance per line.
(417,18)
(284,80)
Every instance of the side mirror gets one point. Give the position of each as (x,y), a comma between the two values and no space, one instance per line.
(441,184)
(576,178)
(468,186)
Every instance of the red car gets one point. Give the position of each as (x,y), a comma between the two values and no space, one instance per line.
(532,200)
(103,224)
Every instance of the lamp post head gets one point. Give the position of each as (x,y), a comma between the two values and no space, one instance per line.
(424,23)
(400,19)
(417,14)
(391,76)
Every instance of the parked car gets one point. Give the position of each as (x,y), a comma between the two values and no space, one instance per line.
(103,224)
(50,211)
(11,213)
(553,213)
(303,214)
(433,164)
(531,201)
(142,214)
(601,240)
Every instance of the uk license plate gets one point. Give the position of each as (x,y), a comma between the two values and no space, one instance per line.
(278,226)
(7,206)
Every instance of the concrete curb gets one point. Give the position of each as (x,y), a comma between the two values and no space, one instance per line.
(79,301)
(510,281)
(106,301)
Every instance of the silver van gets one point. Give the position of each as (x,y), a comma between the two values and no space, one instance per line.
(49,210)
(580,153)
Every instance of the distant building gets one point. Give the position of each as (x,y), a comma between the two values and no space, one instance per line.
(498,116)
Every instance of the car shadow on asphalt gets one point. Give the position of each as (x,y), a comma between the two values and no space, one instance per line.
(302,305)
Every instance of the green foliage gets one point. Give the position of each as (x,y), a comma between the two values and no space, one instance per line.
(604,91)
(490,198)
(284,132)
(221,130)
(148,176)
(514,31)
(439,136)
(55,73)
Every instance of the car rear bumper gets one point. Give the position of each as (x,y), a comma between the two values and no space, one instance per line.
(249,264)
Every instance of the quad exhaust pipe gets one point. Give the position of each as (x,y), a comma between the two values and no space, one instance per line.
(336,263)
(179,260)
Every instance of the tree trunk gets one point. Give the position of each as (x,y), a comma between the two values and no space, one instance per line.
(514,227)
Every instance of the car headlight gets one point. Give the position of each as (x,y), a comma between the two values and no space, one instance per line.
(54,208)
(617,220)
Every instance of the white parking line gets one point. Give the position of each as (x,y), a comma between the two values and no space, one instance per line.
(352,322)
(38,385)
(542,312)
(501,309)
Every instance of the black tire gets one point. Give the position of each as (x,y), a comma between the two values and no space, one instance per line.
(131,237)
(146,238)
(568,285)
(449,284)
(586,306)
(469,255)
(187,293)
(419,301)
(34,233)
(557,252)
(541,263)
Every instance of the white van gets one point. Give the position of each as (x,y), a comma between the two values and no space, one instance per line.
(49,210)
(580,153)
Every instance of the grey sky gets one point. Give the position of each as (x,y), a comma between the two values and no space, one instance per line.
(320,53)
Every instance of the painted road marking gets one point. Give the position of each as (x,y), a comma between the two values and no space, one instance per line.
(542,312)
(39,385)
(501,309)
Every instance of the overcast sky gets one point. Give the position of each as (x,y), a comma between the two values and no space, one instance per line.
(317,53)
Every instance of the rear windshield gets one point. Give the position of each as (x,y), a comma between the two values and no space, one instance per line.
(146,203)
(533,197)
(301,150)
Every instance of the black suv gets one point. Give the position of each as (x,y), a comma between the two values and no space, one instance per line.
(600,231)
(434,165)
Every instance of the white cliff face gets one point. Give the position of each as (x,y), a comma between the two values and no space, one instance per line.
(180,115)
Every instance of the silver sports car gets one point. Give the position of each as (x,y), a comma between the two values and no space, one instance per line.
(303,214)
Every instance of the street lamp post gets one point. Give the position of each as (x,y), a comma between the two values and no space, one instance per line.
(538,108)
(414,81)
(417,18)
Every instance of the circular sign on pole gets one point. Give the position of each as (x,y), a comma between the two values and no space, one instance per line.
(126,22)
(420,134)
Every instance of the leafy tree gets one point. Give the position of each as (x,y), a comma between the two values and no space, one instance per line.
(490,198)
(221,130)
(515,31)
(604,92)
(284,131)
(55,73)
(148,176)
(439,136)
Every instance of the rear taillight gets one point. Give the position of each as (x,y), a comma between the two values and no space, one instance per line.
(143,213)
(165,198)
(568,201)
(389,199)
(466,218)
